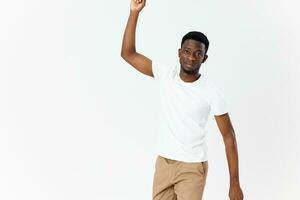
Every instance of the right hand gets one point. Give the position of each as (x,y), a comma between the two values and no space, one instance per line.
(137,5)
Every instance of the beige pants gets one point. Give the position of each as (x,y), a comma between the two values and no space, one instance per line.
(176,180)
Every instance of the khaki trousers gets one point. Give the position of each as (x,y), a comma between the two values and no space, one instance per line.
(176,180)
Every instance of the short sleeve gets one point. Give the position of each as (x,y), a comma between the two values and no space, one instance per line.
(159,70)
(218,103)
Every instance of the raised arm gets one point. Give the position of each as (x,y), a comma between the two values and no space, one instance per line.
(128,53)
(227,131)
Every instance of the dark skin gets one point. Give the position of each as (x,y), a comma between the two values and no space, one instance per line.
(191,55)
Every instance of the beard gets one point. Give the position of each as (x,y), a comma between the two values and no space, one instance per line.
(190,71)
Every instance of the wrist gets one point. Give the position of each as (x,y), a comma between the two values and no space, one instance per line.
(234,182)
(134,12)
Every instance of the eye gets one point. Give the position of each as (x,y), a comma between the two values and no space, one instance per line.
(198,54)
(186,52)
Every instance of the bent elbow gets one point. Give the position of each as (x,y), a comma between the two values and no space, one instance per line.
(124,54)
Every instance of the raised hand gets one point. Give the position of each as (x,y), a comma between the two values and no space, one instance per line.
(137,5)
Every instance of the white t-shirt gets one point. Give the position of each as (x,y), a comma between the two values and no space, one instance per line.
(185,108)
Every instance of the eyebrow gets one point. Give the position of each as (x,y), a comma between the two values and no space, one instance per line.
(196,50)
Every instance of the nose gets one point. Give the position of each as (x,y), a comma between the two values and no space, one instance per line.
(192,57)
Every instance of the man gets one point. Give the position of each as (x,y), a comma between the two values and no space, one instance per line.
(187,99)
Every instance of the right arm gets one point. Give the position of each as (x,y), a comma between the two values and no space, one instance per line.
(128,53)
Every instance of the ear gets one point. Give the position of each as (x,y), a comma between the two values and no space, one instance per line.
(205,58)
(179,52)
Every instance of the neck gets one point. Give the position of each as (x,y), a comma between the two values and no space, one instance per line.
(189,77)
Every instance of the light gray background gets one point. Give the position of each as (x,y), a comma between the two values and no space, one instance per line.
(77,122)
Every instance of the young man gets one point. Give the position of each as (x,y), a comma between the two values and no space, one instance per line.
(187,99)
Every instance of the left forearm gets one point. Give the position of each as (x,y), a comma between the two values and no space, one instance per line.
(232,157)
